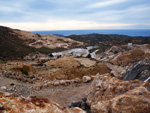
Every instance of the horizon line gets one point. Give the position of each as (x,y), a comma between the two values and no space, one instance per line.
(87,29)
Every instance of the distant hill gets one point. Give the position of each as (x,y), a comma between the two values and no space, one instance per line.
(98,39)
(15,44)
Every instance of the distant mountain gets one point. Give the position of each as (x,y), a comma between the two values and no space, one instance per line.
(15,44)
(98,39)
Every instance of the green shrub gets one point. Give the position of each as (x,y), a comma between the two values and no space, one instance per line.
(24,71)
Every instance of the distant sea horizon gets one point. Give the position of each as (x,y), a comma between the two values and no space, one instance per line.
(128,32)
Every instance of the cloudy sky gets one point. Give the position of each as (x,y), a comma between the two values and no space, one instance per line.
(75,14)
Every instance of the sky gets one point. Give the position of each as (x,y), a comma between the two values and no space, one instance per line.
(38,15)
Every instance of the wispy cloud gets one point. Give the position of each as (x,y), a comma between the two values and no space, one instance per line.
(106,3)
(75,14)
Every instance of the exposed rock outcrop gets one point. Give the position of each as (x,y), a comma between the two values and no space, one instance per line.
(111,95)
(11,103)
(139,70)
(113,53)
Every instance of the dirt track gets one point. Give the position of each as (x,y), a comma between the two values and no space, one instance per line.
(63,95)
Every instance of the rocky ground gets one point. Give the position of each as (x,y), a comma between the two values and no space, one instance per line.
(82,74)
(114,81)
(110,95)
(16,104)
(52,92)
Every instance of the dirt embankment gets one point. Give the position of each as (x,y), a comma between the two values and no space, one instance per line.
(70,68)
(65,68)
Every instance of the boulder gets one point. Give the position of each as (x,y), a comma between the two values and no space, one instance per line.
(77,80)
(131,102)
(110,95)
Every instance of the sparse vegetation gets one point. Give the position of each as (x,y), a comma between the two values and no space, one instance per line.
(24,71)
(97,39)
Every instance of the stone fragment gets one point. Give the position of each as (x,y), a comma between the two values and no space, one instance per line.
(56,83)
(77,80)
(86,79)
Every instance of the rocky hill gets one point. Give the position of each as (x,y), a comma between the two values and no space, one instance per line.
(17,44)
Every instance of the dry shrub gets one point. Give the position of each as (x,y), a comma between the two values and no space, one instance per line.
(21,68)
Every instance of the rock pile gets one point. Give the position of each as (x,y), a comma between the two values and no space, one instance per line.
(21,77)
(46,84)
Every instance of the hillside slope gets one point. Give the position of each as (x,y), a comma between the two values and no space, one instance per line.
(15,44)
